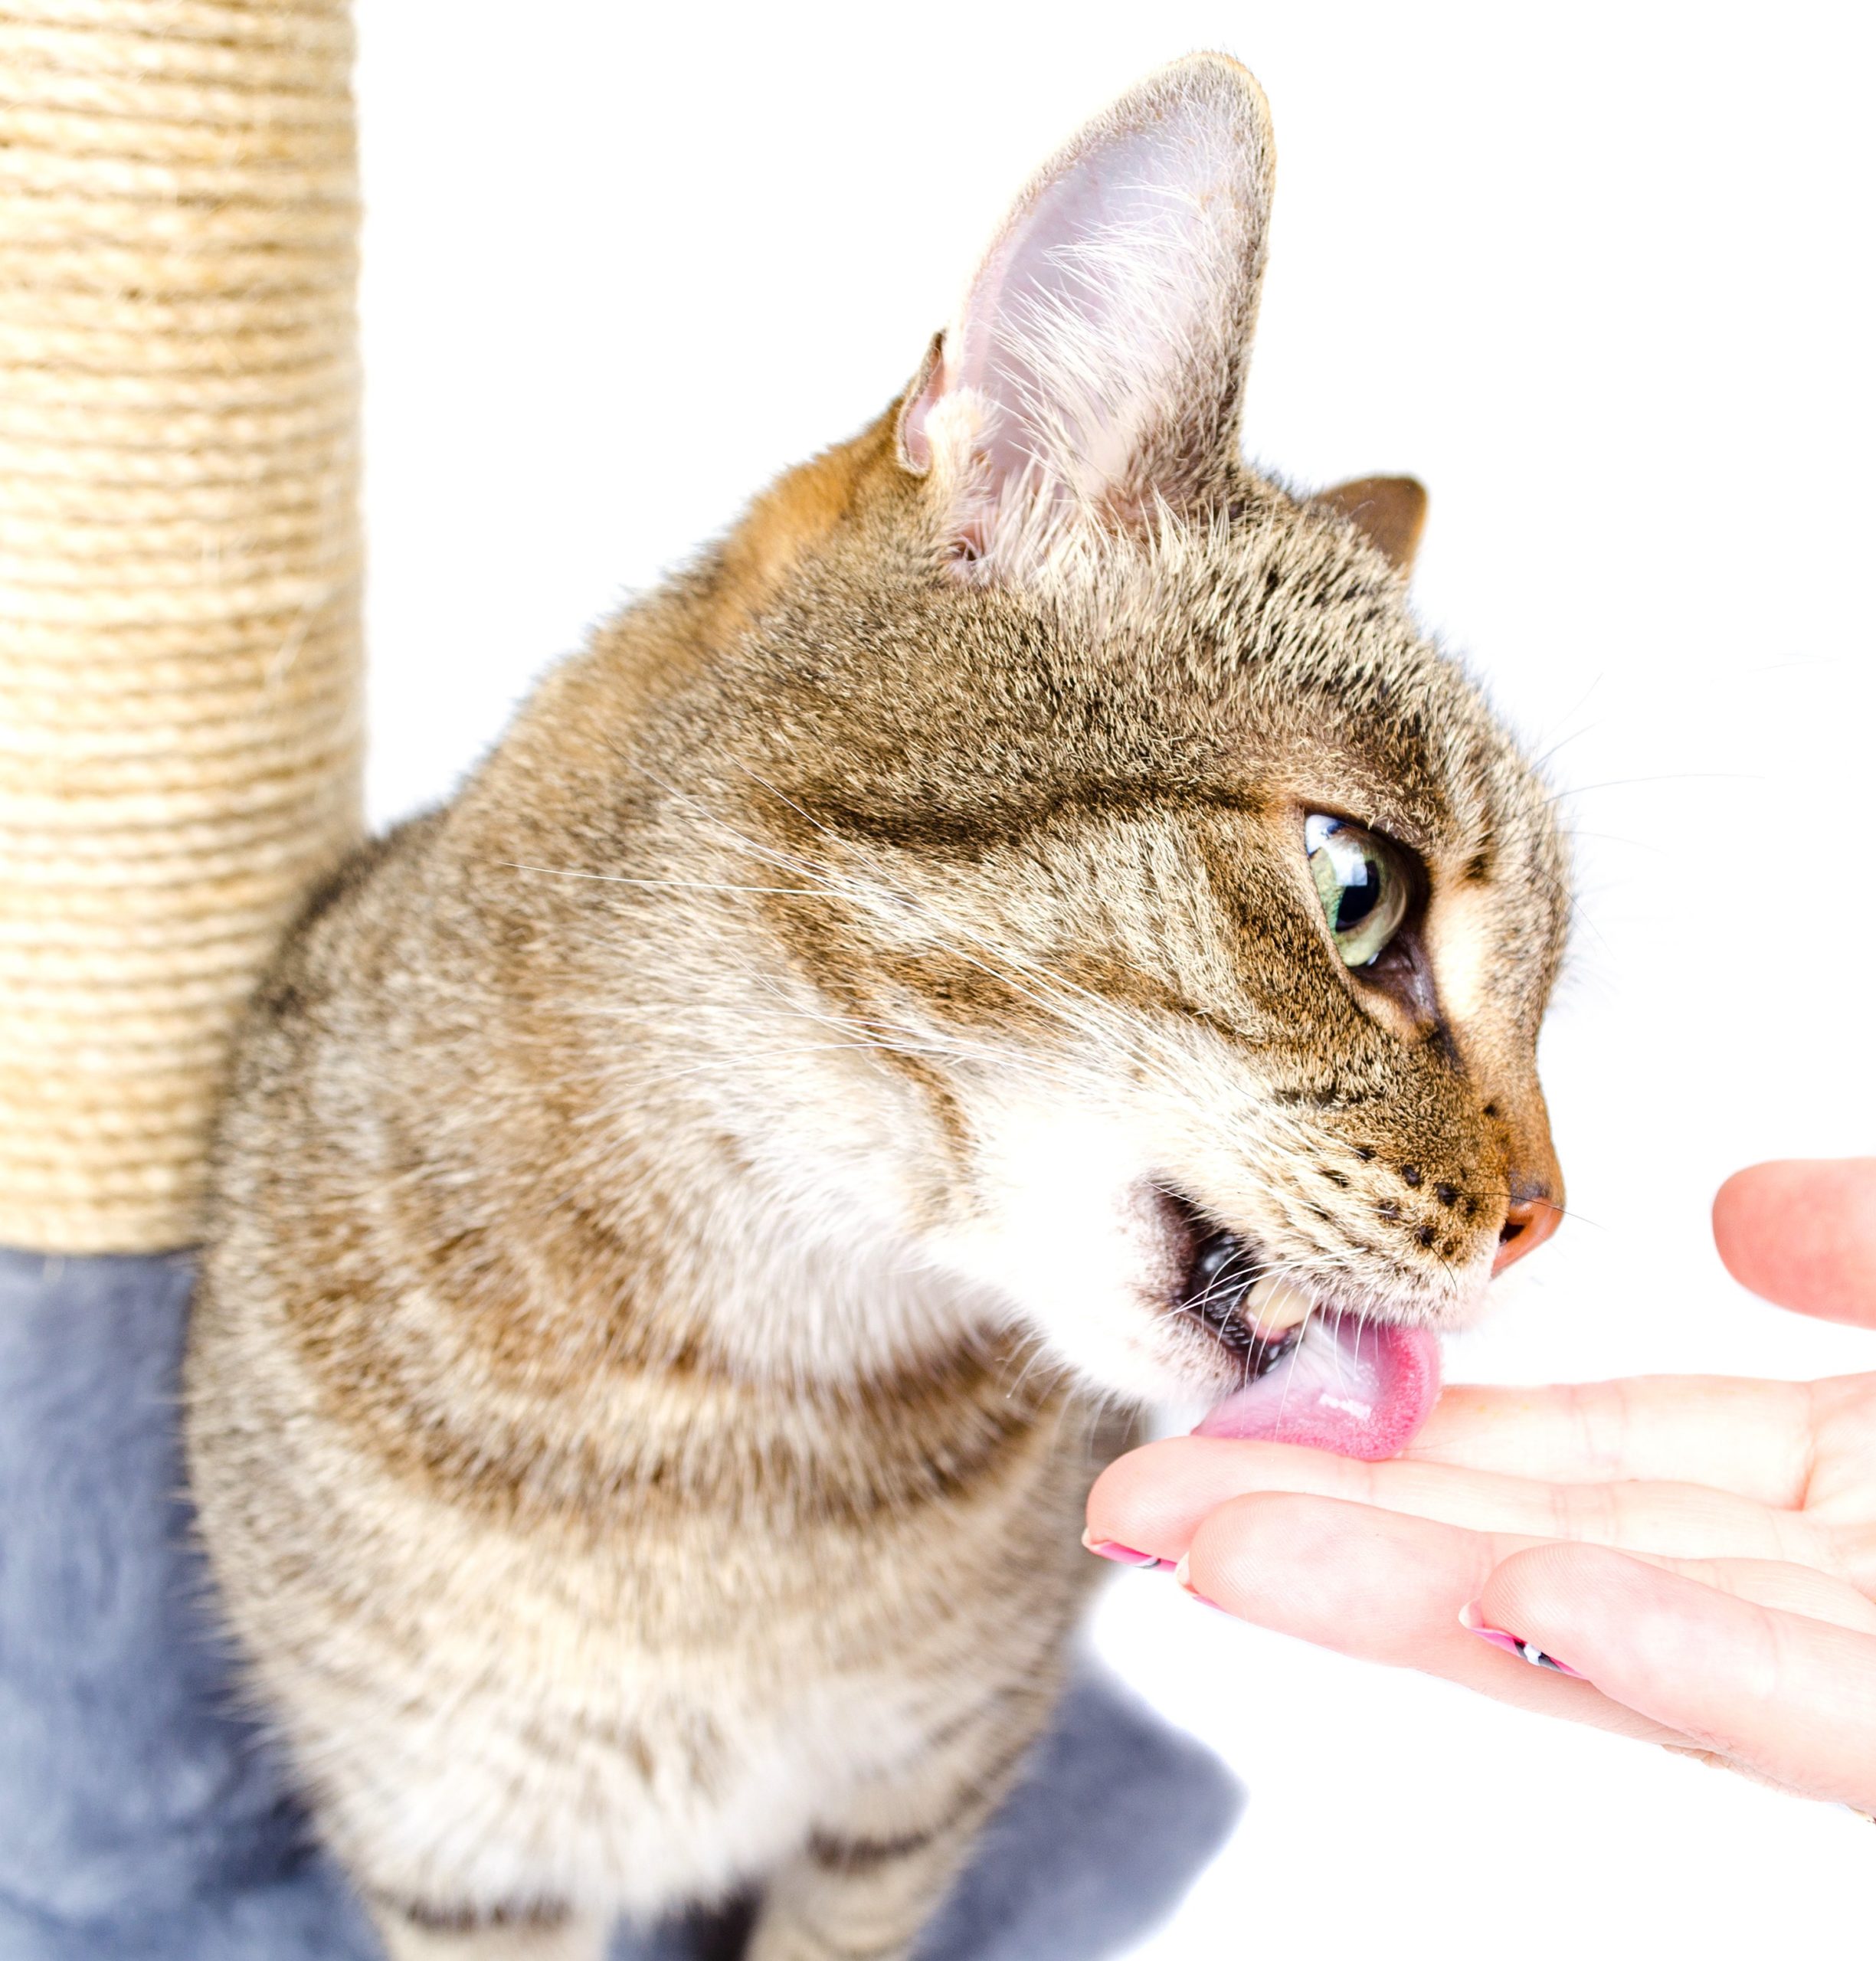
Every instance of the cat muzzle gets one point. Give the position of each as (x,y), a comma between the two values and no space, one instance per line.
(1312,1375)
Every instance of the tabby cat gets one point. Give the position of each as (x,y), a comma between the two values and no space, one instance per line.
(1024,928)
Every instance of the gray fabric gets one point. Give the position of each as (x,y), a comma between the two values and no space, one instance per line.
(141,1819)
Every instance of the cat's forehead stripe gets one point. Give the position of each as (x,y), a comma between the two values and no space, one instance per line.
(982,821)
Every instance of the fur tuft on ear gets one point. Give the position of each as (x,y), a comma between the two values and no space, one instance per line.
(1390,511)
(1093,376)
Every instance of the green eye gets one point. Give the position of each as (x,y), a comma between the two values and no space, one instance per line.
(1362,883)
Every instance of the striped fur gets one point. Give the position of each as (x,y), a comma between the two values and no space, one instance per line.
(688,1214)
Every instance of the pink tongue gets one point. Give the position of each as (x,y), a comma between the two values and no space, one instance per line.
(1360,1389)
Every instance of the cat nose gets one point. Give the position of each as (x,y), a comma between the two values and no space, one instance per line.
(1531,1218)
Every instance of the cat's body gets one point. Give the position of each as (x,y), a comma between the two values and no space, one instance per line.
(626,1618)
(613,1411)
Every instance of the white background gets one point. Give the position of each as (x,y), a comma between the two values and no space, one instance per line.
(1598,275)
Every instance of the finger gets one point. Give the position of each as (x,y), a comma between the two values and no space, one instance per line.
(1160,1493)
(1382,1587)
(1752,1438)
(1802,1233)
(1790,1588)
(1154,1498)
(1793,1697)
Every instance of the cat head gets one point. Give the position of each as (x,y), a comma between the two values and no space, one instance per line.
(1180,917)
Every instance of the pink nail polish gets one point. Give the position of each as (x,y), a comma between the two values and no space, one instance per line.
(1525,1651)
(1111,1548)
(1183,1580)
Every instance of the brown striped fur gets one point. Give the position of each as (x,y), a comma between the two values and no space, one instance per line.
(690,1214)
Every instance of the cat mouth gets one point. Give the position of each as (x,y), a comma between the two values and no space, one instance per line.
(1312,1374)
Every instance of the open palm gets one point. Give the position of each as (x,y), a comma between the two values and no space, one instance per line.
(1702,1549)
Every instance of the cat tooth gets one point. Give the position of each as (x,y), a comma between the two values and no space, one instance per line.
(1275,1306)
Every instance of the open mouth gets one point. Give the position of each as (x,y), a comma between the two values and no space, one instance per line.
(1312,1374)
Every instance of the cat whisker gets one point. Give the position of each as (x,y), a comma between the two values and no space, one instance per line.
(1569,716)
(1676,776)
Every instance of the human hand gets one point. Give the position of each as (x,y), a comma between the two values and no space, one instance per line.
(1701,1549)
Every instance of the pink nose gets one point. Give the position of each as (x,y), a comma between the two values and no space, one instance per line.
(1528,1222)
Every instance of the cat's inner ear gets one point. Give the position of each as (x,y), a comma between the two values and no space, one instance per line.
(1390,511)
(1093,373)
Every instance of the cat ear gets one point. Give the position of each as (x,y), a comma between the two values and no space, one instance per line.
(1093,373)
(1390,511)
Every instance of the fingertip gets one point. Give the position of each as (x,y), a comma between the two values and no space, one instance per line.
(1108,1493)
(1243,1530)
(1615,1619)
(1748,1210)
(1802,1232)
(1554,1587)
(1244,1553)
(1154,1496)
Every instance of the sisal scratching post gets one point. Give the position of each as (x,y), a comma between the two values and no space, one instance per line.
(180,680)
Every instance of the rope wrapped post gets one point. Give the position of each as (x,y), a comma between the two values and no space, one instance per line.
(180,666)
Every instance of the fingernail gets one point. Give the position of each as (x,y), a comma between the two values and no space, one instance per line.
(1112,1549)
(1473,1622)
(1182,1579)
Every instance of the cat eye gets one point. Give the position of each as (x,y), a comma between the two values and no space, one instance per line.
(1363,882)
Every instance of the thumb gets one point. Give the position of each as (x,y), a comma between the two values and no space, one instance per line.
(1802,1233)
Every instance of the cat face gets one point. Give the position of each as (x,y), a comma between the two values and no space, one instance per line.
(1080,911)
(1200,913)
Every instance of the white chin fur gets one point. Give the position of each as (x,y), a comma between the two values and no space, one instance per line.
(1078,1243)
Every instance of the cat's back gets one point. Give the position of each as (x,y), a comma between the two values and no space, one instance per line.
(301,1128)
(304,1132)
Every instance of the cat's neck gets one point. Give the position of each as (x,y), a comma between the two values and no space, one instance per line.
(774,1258)
(684,1116)
(658,1210)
